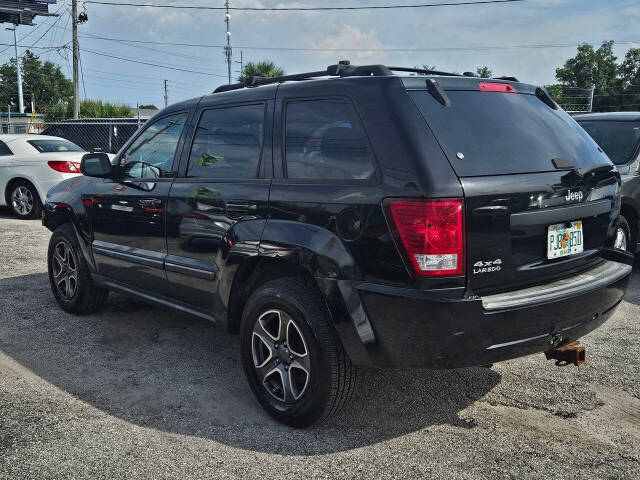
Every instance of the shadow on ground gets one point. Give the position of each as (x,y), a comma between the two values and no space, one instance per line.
(177,374)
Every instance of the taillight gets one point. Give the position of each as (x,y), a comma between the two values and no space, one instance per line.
(431,233)
(496,87)
(65,167)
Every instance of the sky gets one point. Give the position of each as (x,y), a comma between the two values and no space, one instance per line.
(451,38)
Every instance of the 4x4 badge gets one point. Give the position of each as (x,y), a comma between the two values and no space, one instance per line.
(488,266)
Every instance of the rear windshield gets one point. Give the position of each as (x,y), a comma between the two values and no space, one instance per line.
(617,139)
(50,146)
(488,133)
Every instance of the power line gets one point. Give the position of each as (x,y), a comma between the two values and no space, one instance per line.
(302,49)
(141,62)
(304,9)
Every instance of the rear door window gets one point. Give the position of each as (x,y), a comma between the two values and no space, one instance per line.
(324,140)
(619,140)
(228,143)
(488,133)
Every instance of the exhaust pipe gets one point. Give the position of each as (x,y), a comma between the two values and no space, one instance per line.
(568,354)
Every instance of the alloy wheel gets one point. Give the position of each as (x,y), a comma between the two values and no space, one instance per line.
(22,200)
(280,356)
(65,270)
(621,239)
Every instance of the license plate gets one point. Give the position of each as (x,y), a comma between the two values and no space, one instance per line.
(564,239)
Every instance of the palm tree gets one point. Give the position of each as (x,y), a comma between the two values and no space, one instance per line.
(265,67)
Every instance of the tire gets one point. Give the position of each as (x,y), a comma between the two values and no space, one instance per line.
(69,276)
(624,239)
(330,377)
(24,200)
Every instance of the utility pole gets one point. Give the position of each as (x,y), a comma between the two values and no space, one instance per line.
(76,55)
(19,70)
(166,93)
(228,51)
(591,98)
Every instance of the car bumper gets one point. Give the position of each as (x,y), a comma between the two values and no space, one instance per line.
(401,327)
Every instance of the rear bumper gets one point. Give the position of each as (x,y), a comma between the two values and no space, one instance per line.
(400,327)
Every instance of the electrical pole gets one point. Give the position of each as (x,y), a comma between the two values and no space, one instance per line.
(166,93)
(228,51)
(18,69)
(591,98)
(76,54)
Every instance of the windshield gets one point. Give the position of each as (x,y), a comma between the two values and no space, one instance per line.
(487,133)
(617,139)
(51,146)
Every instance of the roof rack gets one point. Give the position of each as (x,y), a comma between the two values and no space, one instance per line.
(341,69)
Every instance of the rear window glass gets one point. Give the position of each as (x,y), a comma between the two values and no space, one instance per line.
(51,146)
(617,139)
(503,133)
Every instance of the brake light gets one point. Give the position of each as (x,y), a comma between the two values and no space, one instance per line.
(496,87)
(431,233)
(65,167)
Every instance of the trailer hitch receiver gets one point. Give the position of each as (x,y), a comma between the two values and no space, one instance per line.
(568,354)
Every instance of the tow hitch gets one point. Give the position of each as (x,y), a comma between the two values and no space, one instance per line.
(568,354)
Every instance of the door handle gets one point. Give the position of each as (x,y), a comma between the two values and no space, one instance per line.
(150,202)
(242,207)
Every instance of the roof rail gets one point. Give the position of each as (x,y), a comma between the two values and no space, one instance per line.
(341,69)
(424,71)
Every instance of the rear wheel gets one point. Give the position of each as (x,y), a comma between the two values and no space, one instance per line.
(24,200)
(69,275)
(624,239)
(293,359)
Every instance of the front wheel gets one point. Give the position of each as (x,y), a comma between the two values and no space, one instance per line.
(292,357)
(69,276)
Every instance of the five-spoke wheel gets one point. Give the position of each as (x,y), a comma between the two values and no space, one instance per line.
(280,356)
(65,269)
(293,359)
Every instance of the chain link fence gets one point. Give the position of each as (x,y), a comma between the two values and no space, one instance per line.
(93,135)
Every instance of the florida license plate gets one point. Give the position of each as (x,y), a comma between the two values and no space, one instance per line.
(564,239)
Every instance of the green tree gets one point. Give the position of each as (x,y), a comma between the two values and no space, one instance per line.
(265,67)
(44,80)
(88,109)
(484,72)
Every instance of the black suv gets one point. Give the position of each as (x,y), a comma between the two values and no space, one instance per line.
(353,217)
(618,133)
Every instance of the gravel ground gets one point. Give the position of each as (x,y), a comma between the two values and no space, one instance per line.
(138,392)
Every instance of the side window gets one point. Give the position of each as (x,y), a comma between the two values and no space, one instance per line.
(4,150)
(325,140)
(228,143)
(151,154)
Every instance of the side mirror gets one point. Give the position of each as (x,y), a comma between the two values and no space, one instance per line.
(96,165)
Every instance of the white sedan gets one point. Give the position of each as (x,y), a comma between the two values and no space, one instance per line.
(30,165)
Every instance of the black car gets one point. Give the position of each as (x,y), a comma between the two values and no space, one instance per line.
(353,217)
(618,133)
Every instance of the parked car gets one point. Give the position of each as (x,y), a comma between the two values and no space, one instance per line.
(618,133)
(353,217)
(30,165)
(96,134)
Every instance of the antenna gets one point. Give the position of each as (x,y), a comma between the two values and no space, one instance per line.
(228,51)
